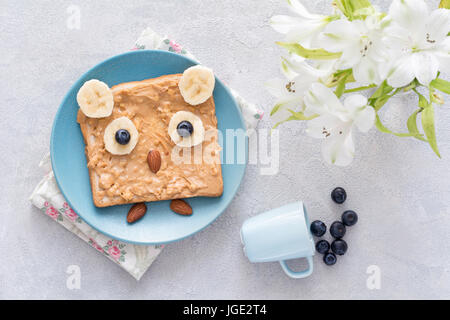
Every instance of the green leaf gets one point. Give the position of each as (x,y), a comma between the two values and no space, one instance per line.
(316,54)
(355,9)
(444,4)
(429,127)
(411,86)
(287,69)
(275,109)
(412,125)
(383,129)
(427,121)
(382,95)
(283,121)
(423,102)
(301,116)
(380,102)
(382,90)
(441,85)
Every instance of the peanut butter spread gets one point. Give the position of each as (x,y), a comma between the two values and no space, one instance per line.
(184,173)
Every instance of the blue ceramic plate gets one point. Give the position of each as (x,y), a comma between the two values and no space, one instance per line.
(160,224)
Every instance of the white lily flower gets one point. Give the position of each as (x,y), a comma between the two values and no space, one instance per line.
(299,74)
(335,122)
(289,94)
(419,43)
(360,44)
(304,28)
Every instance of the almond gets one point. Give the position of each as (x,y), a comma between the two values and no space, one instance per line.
(154,160)
(137,211)
(181,207)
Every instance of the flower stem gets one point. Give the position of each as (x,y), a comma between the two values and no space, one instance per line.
(360,88)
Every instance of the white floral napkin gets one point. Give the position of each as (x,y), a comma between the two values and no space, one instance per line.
(135,259)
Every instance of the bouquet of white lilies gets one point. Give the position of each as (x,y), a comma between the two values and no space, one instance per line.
(359,48)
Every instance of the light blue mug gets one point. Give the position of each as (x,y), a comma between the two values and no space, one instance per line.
(278,235)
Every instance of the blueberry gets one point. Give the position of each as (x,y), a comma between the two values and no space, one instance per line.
(337,229)
(122,136)
(322,246)
(318,228)
(339,247)
(349,218)
(185,128)
(329,258)
(339,195)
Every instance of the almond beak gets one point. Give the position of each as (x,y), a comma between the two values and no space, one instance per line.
(154,160)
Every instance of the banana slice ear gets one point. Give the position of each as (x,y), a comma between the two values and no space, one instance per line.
(95,99)
(112,145)
(197,84)
(198,133)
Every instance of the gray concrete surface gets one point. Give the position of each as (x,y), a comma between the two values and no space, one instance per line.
(398,186)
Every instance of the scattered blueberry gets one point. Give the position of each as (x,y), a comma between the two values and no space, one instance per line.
(318,228)
(349,218)
(122,136)
(339,195)
(185,128)
(337,229)
(339,247)
(329,259)
(322,246)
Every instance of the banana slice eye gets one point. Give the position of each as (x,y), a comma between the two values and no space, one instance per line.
(95,99)
(121,136)
(197,84)
(186,129)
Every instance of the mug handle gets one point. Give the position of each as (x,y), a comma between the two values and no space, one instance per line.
(298,274)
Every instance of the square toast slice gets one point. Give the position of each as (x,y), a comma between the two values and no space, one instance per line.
(122,179)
